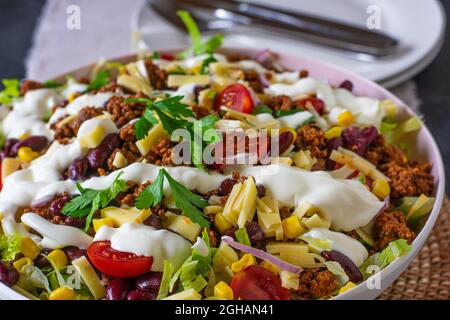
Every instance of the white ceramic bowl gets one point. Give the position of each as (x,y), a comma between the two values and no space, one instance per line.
(426,149)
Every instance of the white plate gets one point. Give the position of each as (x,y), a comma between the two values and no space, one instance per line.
(419,25)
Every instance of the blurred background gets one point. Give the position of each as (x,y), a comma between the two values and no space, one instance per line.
(40,39)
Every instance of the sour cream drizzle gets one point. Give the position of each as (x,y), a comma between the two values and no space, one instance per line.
(144,240)
(346,245)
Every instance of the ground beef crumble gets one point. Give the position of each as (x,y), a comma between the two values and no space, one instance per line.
(252,77)
(279,103)
(157,76)
(122,112)
(27,85)
(316,283)
(312,138)
(69,130)
(407,178)
(390,226)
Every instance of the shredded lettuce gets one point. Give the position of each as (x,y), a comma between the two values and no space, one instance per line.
(189,277)
(36,278)
(336,269)
(395,249)
(416,207)
(198,47)
(165,281)
(410,125)
(10,90)
(242,236)
(318,244)
(9,246)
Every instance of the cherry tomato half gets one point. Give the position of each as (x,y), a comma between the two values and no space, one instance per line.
(258,283)
(236,97)
(317,104)
(117,263)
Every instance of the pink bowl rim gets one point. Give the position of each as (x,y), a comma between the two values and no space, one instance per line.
(333,74)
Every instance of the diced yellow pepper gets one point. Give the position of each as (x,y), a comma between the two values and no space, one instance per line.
(247,260)
(58,258)
(63,293)
(98,223)
(26,154)
(381,189)
(24,135)
(221,223)
(292,227)
(333,133)
(346,119)
(270,266)
(22,263)
(223,290)
(29,248)
(348,286)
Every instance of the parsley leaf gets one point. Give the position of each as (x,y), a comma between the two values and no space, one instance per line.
(10,91)
(51,84)
(198,47)
(189,203)
(262,108)
(152,194)
(205,64)
(90,200)
(101,79)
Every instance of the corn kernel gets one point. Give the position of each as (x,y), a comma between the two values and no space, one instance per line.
(24,135)
(72,96)
(29,248)
(247,260)
(58,258)
(63,293)
(381,188)
(270,266)
(346,119)
(22,263)
(292,227)
(221,222)
(98,223)
(334,132)
(223,290)
(26,154)
(348,286)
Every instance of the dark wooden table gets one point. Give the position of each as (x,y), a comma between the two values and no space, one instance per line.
(18,19)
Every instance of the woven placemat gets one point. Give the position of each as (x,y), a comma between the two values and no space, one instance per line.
(428,276)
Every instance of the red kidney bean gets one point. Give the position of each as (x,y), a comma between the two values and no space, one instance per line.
(149,282)
(37,143)
(73,252)
(349,267)
(8,147)
(118,289)
(347,84)
(42,201)
(97,156)
(254,231)
(74,222)
(78,169)
(261,190)
(285,140)
(140,295)
(8,274)
(226,186)
(154,221)
(57,204)
(317,104)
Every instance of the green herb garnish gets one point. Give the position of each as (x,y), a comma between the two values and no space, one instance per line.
(198,47)
(205,64)
(156,55)
(90,200)
(51,84)
(262,108)
(10,90)
(189,203)
(101,79)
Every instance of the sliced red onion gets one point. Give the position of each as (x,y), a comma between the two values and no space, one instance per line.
(265,82)
(262,255)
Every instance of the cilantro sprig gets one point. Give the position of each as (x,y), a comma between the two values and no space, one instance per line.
(90,200)
(185,200)
(198,46)
(10,90)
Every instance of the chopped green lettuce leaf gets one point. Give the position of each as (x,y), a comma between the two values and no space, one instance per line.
(10,90)
(336,269)
(189,277)
(318,244)
(165,281)
(9,246)
(36,278)
(394,250)
(410,125)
